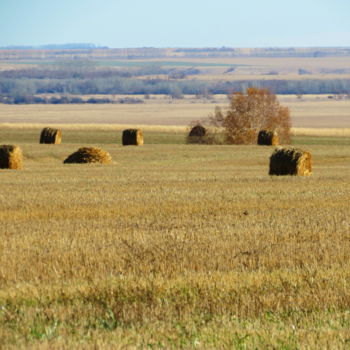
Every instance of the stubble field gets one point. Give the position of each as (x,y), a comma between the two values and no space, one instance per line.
(309,111)
(173,246)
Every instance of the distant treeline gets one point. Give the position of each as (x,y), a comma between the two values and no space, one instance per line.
(265,52)
(32,99)
(22,86)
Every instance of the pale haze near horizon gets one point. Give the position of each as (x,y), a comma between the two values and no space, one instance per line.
(157,23)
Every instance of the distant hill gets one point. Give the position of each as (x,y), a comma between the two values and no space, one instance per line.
(266,52)
(91,51)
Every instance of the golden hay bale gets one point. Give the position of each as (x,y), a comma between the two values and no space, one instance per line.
(51,136)
(10,157)
(290,161)
(267,138)
(132,137)
(89,155)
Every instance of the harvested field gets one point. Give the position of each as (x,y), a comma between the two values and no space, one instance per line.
(315,111)
(176,246)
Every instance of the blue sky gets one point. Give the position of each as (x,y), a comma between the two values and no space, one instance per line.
(180,23)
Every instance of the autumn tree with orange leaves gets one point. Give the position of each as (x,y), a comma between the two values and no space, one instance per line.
(247,114)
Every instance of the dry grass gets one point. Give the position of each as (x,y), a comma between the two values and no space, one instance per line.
(337,132)
(309,112)
(157,113)
(172,129)
(96,127)
(320,114)
(176,246)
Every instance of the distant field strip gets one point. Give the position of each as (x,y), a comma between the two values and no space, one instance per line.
(341,132)
(306,113)
(128,63)
(336,132)
(136,63)
(117,127)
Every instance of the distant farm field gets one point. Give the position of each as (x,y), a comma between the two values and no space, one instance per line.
(173,245)
(315,66)
(308,111)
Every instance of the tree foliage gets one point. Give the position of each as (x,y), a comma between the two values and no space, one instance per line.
(251,112)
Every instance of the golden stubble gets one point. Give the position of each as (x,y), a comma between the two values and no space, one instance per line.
(171,233)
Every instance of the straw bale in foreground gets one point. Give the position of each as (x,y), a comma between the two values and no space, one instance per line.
(51,136)
(10,157)
(132,137)
(290,161)
(89,155)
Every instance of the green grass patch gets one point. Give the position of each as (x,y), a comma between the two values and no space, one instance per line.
(13,136)
(320,140)
(151,137)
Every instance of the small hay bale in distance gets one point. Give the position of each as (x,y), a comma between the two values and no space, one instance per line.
(89,155)
(132,137)
(290,161)
(198,130)
(10,157)
(267,138)
(197,134)
(51,136)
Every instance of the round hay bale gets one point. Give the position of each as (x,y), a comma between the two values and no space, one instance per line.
(290,161)
(198,131)
(10,157)
(89,155)
(51,136)
(198,134)
(132,137)
(267,138)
